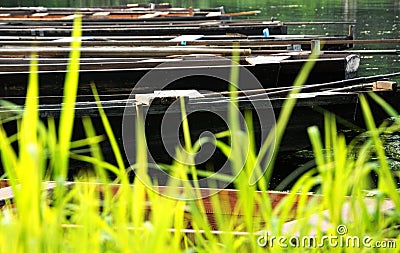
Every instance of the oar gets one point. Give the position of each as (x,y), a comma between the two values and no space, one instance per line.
(365,51)
(126,51)
(333,84)
(242,13)
(380,41)
(321,23)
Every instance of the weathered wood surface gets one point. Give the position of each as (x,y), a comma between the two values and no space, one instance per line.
(229,207)
(228,199)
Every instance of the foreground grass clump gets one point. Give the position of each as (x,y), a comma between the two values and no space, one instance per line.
(101,216)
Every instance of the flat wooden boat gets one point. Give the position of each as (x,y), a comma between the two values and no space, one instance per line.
(229,207)
(309,111)
(211,28)
(121,75)
(149,12)
(228,199)
(274,43)
(204,116)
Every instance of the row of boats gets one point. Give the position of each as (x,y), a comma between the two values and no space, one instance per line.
(130,51)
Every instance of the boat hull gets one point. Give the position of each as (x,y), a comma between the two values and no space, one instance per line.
(122,77)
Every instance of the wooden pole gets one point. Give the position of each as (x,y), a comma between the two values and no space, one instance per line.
(321,23)
(242,13)
(123,51)
(341,83)
(315,47)
(222,40)
(366,51)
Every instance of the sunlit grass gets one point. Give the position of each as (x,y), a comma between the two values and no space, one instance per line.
(101,216)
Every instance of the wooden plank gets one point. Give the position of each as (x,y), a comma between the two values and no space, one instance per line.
(101,14)
(314,220)
(242,13)
(6,193)
(214,14)
(228,199)
(186,38)
(153,15)
(39,15)
(166,97)
(384,86)
(266,59)
(155,6)
(69,17)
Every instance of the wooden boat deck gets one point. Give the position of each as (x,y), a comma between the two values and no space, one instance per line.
(229,207)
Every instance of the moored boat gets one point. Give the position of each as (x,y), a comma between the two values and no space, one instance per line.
(120,75)
(206,109)
(152,12)
(274,28)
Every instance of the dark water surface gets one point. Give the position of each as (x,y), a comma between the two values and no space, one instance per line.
(374,19)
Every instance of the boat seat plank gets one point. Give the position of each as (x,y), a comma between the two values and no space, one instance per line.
(39,14)
(214,14)
(266,59)
(166,96)
(101,14)
(187,38)
(153,15)
(69,17)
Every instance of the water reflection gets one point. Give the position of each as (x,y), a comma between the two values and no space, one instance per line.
(349,10)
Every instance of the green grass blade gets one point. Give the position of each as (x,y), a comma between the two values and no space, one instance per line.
(69,99)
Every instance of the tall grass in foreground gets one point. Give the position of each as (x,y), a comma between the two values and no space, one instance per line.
(101,218)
